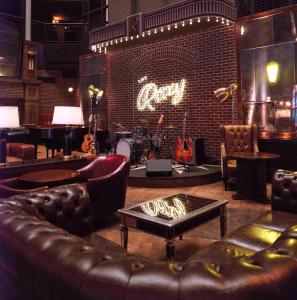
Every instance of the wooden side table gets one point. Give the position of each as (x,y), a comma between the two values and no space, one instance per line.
(51,177)
(251,175)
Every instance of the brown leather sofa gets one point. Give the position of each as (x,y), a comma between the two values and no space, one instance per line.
(43,256)
(236,138)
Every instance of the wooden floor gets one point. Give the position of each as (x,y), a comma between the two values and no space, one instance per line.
(239,213)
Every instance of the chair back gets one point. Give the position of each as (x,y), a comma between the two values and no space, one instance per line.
(239,138)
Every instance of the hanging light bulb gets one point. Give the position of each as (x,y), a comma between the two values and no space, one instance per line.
(272,69)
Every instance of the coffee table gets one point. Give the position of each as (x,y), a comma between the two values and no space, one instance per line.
(170,217)
(49,177)
(251,175)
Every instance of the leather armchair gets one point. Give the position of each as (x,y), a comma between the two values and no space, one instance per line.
(12,186)
(106,180)
(236,138)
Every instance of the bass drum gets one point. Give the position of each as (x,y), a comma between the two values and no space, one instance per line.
(130,148)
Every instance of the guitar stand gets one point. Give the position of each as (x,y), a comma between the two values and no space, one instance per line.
(187,168)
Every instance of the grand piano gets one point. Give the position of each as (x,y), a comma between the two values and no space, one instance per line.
(51,137)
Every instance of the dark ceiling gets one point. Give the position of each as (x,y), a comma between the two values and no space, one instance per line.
(44,10)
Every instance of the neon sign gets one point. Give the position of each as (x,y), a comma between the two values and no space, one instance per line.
(151,94)
(161,207)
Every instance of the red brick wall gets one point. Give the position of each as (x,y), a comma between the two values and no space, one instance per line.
(205,58)
(56,94)
(11,89)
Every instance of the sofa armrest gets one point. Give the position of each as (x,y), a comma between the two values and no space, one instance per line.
(284,191)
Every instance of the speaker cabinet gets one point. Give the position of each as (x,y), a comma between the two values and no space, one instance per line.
(159,168)
(198,152)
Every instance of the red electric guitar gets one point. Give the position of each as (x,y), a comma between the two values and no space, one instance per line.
(183,150)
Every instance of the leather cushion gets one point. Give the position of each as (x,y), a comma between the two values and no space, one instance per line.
(221,251)
(105,245)
(67,207)
(253,237)
(276,220)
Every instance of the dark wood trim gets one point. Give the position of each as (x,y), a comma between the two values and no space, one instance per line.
(268,13)
(170,182)
(239,98)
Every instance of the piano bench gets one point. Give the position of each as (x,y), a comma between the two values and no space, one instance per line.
(21,151)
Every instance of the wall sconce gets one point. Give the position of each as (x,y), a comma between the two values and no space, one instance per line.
(70,89)
(272,69)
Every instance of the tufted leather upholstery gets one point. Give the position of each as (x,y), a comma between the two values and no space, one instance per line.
(107,180)
(236,138)
(67,207)
(40,261)
(284,191)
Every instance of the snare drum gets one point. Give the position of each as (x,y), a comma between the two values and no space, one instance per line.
(130,148)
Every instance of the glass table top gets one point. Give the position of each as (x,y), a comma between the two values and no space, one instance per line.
(172,207)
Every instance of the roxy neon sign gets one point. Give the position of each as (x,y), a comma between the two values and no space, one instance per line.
(161,207)
(151,94)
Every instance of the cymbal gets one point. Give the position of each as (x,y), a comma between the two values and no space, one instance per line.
(170,127)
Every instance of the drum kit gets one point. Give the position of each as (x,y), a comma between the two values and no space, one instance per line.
(134,144)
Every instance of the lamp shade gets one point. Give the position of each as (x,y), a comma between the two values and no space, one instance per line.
(272,69)
(68,115)
(9,117)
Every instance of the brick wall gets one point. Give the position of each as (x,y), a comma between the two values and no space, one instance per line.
(52,94)
(205,58)
(11,90)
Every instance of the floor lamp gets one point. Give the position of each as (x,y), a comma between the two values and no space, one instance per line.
(9,118)
(223,94)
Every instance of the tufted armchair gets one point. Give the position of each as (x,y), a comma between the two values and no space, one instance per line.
(106,179)
(236,138)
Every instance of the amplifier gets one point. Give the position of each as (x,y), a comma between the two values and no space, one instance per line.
(159,168)
(198,152)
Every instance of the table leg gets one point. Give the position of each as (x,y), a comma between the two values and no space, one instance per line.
(245,180)
(169,249)
(261,191)
(223,220)
(124,236)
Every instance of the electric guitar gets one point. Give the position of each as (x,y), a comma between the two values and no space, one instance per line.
(183,150)
(156,140)
(88,138)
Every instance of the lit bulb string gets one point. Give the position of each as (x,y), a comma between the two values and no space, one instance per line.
(102,47)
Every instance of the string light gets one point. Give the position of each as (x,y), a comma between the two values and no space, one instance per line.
(99,47)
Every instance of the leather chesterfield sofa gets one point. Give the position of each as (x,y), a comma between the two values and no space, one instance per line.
(46,253)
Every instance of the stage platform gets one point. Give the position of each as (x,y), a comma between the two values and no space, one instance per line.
(197,175)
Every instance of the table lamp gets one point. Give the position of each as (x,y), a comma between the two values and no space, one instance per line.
(67,115)
(9,118)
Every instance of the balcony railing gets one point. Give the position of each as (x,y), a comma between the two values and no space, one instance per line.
(62,32)
(168,15)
